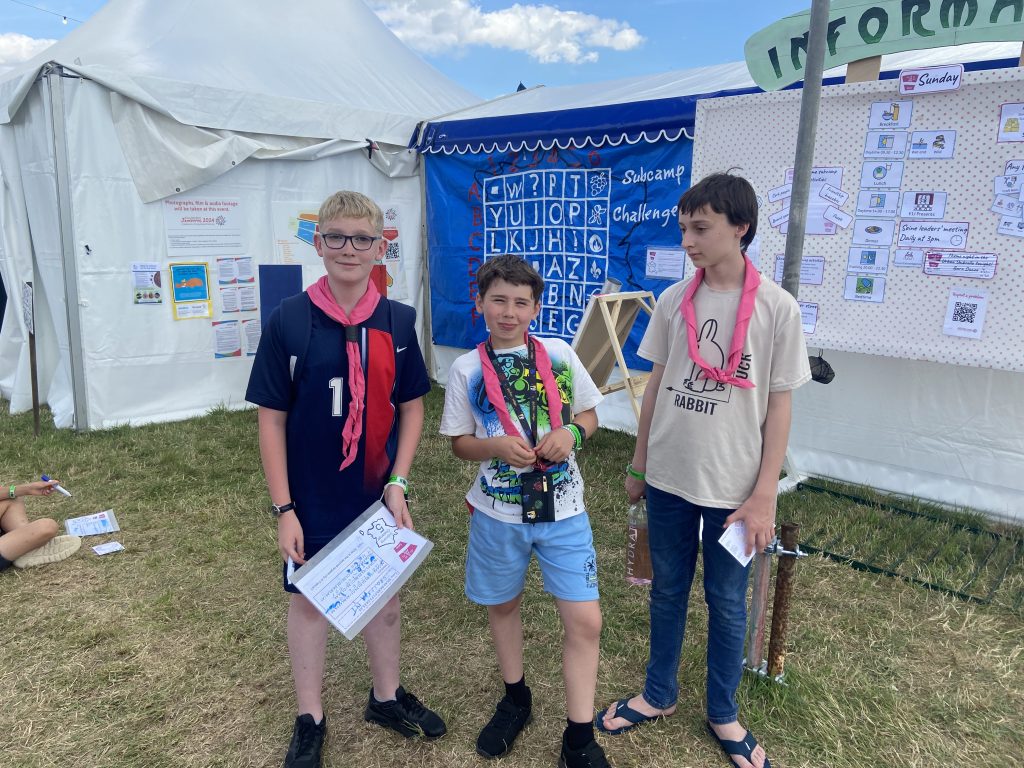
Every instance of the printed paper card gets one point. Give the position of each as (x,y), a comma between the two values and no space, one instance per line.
(833,195)
(965,313)
(874,232)
(1011,123)
(936,235)
(923,205)
(361,569)
(908,257)
(812,269)
(1012,227)
(666,263)
(878,175)
(886,145)
(1008,206)
(873,261)
(780,193)
(882,203)
(808,317)
(837,217)
(1008,185)
(862,288)
(931,79)
(980,266)
(890,114)
(92,525)
(932,145)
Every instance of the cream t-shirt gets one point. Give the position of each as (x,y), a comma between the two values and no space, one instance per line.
(706,437)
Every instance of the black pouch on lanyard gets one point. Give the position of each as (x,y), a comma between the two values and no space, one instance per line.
(538,497)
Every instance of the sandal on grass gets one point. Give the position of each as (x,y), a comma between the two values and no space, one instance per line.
(626,712)
(742,749)
(57,548)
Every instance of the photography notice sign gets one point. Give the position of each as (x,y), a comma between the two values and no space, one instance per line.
(363,567)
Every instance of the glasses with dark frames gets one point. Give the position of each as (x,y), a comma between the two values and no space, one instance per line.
(336,241)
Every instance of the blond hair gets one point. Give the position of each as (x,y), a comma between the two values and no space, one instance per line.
(352,205)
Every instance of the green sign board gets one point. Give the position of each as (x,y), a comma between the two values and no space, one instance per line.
(860,29)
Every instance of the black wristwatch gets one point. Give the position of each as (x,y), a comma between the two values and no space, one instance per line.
(280,510)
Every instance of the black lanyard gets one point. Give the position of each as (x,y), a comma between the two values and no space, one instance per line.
(513,406)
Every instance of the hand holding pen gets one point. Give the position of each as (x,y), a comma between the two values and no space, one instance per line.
(54,485)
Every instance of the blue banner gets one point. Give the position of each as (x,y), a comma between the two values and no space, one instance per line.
(579,216)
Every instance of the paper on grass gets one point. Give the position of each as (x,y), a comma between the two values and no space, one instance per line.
(363,567)
(92,525)
(734,539)
(107,548)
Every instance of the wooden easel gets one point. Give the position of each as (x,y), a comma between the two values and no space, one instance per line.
(599,343)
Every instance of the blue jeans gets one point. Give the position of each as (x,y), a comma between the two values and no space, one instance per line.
(673,526)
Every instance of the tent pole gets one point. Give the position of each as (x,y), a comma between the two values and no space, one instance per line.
(55,87)
(810,103)
(428,328)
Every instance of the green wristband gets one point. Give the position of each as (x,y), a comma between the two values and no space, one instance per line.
(400,481)
(633,473)
(11,492)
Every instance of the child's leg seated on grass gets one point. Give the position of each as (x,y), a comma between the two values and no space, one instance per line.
(20,536)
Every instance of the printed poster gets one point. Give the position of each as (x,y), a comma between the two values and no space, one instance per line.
(812,269)
(227,341)
(923,205)
(294,227)
(873,261)
(881,175)
(936,235)
(666,263)
(932,145)
(874,232)
(808,317)
(190,290)
(146,288)
(200,226)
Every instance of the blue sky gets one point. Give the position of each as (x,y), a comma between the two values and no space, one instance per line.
(489,46)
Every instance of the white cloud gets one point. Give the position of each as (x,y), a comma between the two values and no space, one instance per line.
(544,32)
(16,48)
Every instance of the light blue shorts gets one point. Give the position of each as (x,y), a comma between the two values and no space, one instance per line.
(499,554)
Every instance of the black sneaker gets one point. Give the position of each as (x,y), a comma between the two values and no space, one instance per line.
(591,756)
(406,715)
(497,737)
(307,741)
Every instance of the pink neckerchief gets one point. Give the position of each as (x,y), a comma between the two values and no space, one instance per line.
(493,387)
(751,280)
(320,294)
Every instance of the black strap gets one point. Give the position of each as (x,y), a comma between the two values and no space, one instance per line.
(515,410)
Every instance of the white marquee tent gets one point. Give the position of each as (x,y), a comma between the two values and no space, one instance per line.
(931,436)
(260,101)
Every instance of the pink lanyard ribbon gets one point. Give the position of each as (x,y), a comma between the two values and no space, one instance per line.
(547,377)
(320,294)
(745,310)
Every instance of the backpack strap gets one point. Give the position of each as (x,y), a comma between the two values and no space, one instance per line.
(296,325)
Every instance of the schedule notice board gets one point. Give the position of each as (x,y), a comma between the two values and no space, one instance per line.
(915,244)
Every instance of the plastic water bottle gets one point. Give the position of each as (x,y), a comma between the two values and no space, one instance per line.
(638,548)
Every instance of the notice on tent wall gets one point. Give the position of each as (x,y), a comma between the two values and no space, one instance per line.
(199,226)
(930,267)
(146,288)
(190,290)
(294,227)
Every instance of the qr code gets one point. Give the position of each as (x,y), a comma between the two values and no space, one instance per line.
(394,251)
(964,312)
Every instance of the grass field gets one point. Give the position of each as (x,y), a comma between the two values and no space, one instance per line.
(173,653)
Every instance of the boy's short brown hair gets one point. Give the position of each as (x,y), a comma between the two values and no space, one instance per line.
(512,269)
(352,205)
(724,193)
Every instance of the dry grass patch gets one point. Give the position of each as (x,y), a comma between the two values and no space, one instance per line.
(173,652)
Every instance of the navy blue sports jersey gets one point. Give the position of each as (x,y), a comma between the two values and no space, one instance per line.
(317,403)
